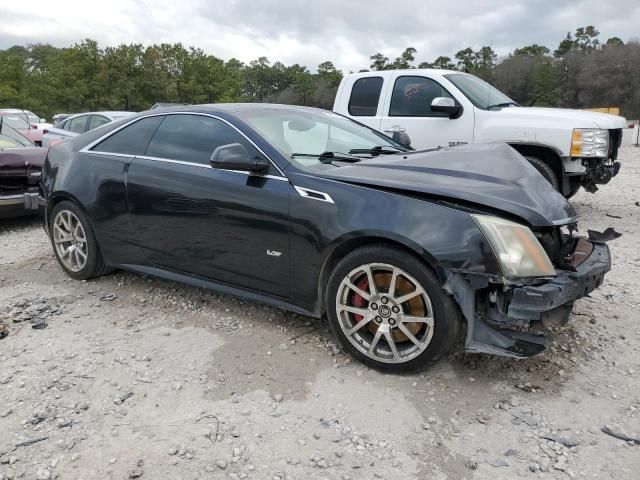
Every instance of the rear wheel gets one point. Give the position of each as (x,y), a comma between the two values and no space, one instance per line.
(74,242)
(388,309)
(545,170)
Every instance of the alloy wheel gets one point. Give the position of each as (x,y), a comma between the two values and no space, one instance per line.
(385,313)
(70,240)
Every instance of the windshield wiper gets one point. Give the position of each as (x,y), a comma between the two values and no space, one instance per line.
(377,150)
(328,157)
(505,104)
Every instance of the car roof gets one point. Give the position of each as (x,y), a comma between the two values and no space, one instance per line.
(109,114)
(411,71)
(228,108)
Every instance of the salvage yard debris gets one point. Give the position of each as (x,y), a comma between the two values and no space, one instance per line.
(620,436)
(567,442)
(123,398)
(31,442)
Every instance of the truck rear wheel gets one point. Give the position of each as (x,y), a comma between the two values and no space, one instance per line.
(545,170)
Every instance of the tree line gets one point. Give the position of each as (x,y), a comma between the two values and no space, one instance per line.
(582,72)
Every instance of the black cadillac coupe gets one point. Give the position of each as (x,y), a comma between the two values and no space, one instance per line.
(312,212)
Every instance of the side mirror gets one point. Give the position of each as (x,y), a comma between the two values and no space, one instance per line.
(235,156)
(446,105)
(402,138)
(399,134)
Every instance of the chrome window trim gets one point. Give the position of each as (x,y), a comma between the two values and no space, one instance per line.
(123,155)
(202,165)
(87,148)
(304,192)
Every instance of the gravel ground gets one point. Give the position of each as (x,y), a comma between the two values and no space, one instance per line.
(135,377)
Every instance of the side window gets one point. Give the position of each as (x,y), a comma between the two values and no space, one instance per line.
(97,121)
(78,124)
(192,138)
(412,97)
(364,97)
(65,125)
(132,139)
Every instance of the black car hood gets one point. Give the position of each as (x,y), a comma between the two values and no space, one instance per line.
(491,175)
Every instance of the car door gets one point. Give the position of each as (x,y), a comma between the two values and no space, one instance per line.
(230,226)
(408,108)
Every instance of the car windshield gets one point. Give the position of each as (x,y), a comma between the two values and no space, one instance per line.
(16,120)
(312,138)
(482,94)
(9,138)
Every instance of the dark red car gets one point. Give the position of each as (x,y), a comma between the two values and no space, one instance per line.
(20,165)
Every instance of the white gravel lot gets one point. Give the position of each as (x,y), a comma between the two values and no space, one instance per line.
(142,378)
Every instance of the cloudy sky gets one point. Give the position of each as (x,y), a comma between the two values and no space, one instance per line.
(311,31)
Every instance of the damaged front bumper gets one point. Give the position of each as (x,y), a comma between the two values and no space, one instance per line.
(538,302)
(599,173)
(497,323)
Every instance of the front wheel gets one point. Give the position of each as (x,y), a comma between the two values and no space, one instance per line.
(545,170)
(574,186)
(388,309)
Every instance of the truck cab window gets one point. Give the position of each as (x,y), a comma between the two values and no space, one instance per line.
(365,95)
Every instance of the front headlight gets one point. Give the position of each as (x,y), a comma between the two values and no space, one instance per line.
(590,142)
(516,247)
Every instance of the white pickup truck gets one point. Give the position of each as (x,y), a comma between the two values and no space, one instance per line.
(441,108)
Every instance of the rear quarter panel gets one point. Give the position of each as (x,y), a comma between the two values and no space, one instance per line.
(97,183)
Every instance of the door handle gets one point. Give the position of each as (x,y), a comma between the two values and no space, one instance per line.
(395,129)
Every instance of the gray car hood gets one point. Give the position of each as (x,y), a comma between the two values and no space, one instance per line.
(491,175)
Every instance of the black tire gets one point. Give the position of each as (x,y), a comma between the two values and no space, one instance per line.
(574,186)
(446,315)
(95,265)
(545,170)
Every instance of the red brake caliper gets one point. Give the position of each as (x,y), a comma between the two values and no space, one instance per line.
(357,300)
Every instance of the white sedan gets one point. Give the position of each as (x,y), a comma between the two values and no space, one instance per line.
(74,125)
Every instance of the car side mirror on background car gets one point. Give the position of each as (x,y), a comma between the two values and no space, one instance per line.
(402,138)
(400,135)
(446,105)
(235,156)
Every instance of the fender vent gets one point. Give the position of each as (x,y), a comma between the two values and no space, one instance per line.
(314,195)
